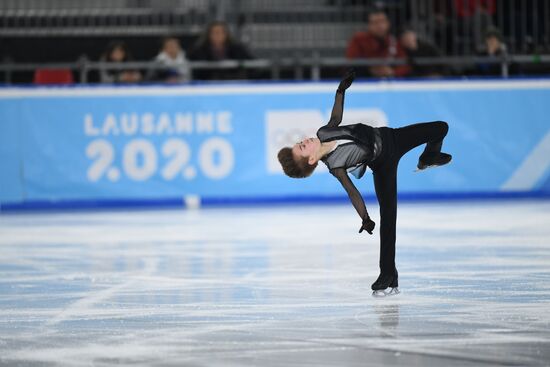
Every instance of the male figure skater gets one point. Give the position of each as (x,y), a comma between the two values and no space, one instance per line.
(351,149)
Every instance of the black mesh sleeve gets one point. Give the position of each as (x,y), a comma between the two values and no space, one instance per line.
(337,110)
(353,194)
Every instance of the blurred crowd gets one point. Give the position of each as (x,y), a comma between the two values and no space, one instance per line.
(379,40)
(215,44)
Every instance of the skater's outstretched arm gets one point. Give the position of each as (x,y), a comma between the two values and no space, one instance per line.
(355,197)
(337,110)
(338,107)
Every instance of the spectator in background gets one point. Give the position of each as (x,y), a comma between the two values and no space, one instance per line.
(216,44)
(493,42)
(173,58)
(117,52)
(476,17)
(377,42)
(472,8)
(418,48)
(494,48)
(459,25)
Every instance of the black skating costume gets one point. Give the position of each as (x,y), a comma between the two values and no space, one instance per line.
(380,149)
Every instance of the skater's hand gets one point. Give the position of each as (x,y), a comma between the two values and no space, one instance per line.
(346,80)
(368,225)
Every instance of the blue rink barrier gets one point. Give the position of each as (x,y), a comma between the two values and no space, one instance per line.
(149,146)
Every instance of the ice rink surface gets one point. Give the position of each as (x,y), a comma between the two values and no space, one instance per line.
(283,286)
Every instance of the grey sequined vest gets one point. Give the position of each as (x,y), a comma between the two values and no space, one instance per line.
(354,157)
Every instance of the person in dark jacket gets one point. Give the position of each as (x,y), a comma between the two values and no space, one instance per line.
(117,52)
(495,49)
(417,48)
(217,44)
(350,149)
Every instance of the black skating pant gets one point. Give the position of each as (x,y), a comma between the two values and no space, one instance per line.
(395,143)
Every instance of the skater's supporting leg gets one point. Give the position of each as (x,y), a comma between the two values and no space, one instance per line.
(429,133)
(385,185)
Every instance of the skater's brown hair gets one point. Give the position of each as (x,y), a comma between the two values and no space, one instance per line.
(295,168)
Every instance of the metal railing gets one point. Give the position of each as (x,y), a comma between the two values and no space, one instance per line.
(298,65)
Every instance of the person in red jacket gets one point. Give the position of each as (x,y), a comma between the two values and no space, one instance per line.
(377,42)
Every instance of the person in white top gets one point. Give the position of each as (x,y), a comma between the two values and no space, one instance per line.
(173,57)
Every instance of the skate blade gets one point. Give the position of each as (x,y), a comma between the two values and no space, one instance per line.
(425,168)
(386,292)
(431,166)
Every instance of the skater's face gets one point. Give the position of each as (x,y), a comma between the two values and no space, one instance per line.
(307,148)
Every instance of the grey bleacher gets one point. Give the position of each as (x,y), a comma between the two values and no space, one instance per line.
(267,26)
(274,39)
(270,28)
(84,5)
(288,28)
(255,5)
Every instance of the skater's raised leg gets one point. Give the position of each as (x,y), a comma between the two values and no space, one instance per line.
(429,133)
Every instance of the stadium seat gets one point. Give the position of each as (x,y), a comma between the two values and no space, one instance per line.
(53,76)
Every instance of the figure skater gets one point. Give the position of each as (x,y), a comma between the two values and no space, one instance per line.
(350,149)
